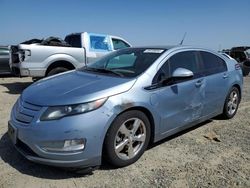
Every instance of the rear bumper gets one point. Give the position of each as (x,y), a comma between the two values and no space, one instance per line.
(24,72)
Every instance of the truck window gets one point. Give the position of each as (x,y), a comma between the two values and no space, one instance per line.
(118,44)
(74,40)
(99,43)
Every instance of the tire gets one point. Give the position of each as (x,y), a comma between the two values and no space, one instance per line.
(245,73)
(131,128)
(231,104)
(57,70)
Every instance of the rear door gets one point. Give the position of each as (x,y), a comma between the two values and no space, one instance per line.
(216,81)
(179,103)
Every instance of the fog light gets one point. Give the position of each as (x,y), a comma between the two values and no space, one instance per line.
(73,145)
(64,146)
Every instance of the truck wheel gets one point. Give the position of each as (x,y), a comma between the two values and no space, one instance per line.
(57,70)
(127,138)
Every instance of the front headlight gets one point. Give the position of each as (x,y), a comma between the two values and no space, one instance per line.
(57,112)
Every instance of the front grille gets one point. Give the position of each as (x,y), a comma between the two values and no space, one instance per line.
(25,112)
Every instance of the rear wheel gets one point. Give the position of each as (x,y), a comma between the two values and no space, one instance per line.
(231,104)
(127,138)
(57,70)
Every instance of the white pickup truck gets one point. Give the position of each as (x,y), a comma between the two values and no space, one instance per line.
(40,58)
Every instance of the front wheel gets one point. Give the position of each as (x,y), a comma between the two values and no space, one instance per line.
(127,138)
(231,104)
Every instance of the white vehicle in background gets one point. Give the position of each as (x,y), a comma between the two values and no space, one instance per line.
(40,58)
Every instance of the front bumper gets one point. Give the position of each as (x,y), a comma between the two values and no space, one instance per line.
(31,138)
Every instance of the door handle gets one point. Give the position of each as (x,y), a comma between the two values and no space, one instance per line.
(199,83)
(225,75)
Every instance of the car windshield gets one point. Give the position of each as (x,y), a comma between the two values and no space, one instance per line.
(129,62)
(248,53)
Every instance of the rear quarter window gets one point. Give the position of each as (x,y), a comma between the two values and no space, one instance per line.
(212,64)
(74,40)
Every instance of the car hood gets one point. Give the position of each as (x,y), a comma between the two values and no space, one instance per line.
(74,87)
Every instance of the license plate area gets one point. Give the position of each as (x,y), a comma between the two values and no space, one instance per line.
(12,132)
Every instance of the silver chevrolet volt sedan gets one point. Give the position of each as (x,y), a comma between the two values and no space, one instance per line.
(115,107)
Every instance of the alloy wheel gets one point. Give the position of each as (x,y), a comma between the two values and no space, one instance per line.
(130,138)
(232,103)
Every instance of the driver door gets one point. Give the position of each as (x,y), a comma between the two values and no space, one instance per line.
(181,102)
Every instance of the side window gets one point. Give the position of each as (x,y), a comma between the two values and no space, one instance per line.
(119,44)
(187,60)
(212,64)
(99,43)
(162,74)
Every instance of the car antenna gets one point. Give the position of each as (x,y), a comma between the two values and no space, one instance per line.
(184,36)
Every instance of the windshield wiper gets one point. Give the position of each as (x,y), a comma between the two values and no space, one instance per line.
(104,71)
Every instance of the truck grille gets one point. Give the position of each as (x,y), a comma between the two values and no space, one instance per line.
(25,112)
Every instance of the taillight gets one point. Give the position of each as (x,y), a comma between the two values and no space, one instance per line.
(237,66)
(23,54)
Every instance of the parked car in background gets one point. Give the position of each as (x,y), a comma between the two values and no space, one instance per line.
(4,60)
(242,55)
(40,58)
(120,103)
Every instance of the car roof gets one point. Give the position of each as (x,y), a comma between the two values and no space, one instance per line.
(173,47)
(166,47)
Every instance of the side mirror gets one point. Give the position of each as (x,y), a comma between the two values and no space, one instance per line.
(182,73)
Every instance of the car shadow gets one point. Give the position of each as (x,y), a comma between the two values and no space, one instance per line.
(107,166)
(7,75)
(16,88)
(10,155)
(179,134)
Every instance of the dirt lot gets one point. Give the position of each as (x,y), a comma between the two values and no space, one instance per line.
(184,160)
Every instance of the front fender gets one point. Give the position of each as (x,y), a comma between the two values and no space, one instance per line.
(125,104)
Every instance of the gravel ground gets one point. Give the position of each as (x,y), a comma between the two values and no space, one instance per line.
(213,154)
